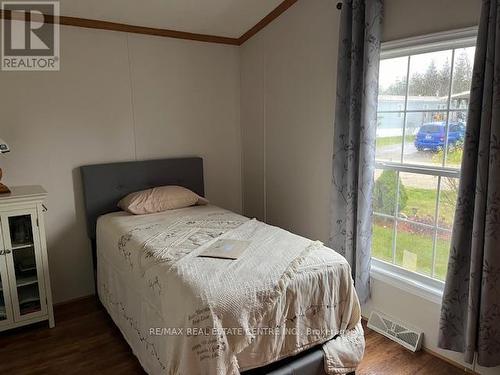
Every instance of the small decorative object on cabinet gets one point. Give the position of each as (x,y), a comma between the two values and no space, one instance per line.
(25,295)
(4,148)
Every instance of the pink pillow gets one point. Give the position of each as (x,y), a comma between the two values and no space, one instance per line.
(160,199)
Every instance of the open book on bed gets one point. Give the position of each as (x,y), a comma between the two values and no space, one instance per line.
(225,249)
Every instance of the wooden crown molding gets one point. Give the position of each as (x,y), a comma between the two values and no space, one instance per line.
(121,27)
(275,13)
(113,26)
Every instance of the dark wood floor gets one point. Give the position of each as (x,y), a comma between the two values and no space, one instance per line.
(85,341)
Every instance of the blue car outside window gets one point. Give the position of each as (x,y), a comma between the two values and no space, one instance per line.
(431,136)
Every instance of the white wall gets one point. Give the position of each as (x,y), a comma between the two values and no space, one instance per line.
(117,97)
(287,103)
(287,107)
(406,18)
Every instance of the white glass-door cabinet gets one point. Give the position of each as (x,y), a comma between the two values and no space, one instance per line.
(25,295)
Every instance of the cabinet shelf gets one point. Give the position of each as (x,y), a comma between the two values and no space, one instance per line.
(27,268)
(18,246)
(28,295)
(25,281)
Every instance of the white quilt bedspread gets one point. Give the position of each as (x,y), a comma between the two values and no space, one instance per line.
(185,314)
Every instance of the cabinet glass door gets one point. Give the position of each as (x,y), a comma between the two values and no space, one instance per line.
(24,264)
(5,305)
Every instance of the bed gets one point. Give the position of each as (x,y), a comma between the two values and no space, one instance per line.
(287,306)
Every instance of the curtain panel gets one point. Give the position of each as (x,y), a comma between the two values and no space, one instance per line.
(470,313)
(354,136)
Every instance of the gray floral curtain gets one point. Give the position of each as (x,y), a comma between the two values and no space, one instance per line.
(354,133)
(470,313)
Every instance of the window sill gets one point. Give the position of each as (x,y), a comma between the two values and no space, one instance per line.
(411,282)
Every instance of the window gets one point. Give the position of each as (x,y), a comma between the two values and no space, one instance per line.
(424,87)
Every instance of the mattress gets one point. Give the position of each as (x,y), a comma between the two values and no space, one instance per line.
(184,314)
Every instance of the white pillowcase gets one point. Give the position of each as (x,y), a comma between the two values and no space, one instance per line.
(160,199)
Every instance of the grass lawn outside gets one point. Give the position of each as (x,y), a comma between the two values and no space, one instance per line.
(453,159)
(390,141)
(422,204)
(418,244)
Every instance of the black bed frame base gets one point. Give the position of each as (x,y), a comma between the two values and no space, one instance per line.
(310,362)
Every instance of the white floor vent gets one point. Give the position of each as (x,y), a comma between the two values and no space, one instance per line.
(397,331)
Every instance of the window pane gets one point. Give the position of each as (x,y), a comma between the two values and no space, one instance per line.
(419,124)
(429,80)
(385,192)
(447,202)
(417,197)
(389,136)
(462,76)
(414,244)
(392,84)
(383,231)
(456,135)
(443,243)
(425,135)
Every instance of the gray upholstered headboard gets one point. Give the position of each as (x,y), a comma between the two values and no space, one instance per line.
(105,184)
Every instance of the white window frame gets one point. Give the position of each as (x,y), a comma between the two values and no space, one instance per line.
(412,282)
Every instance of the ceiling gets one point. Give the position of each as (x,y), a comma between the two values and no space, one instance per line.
(228,18)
